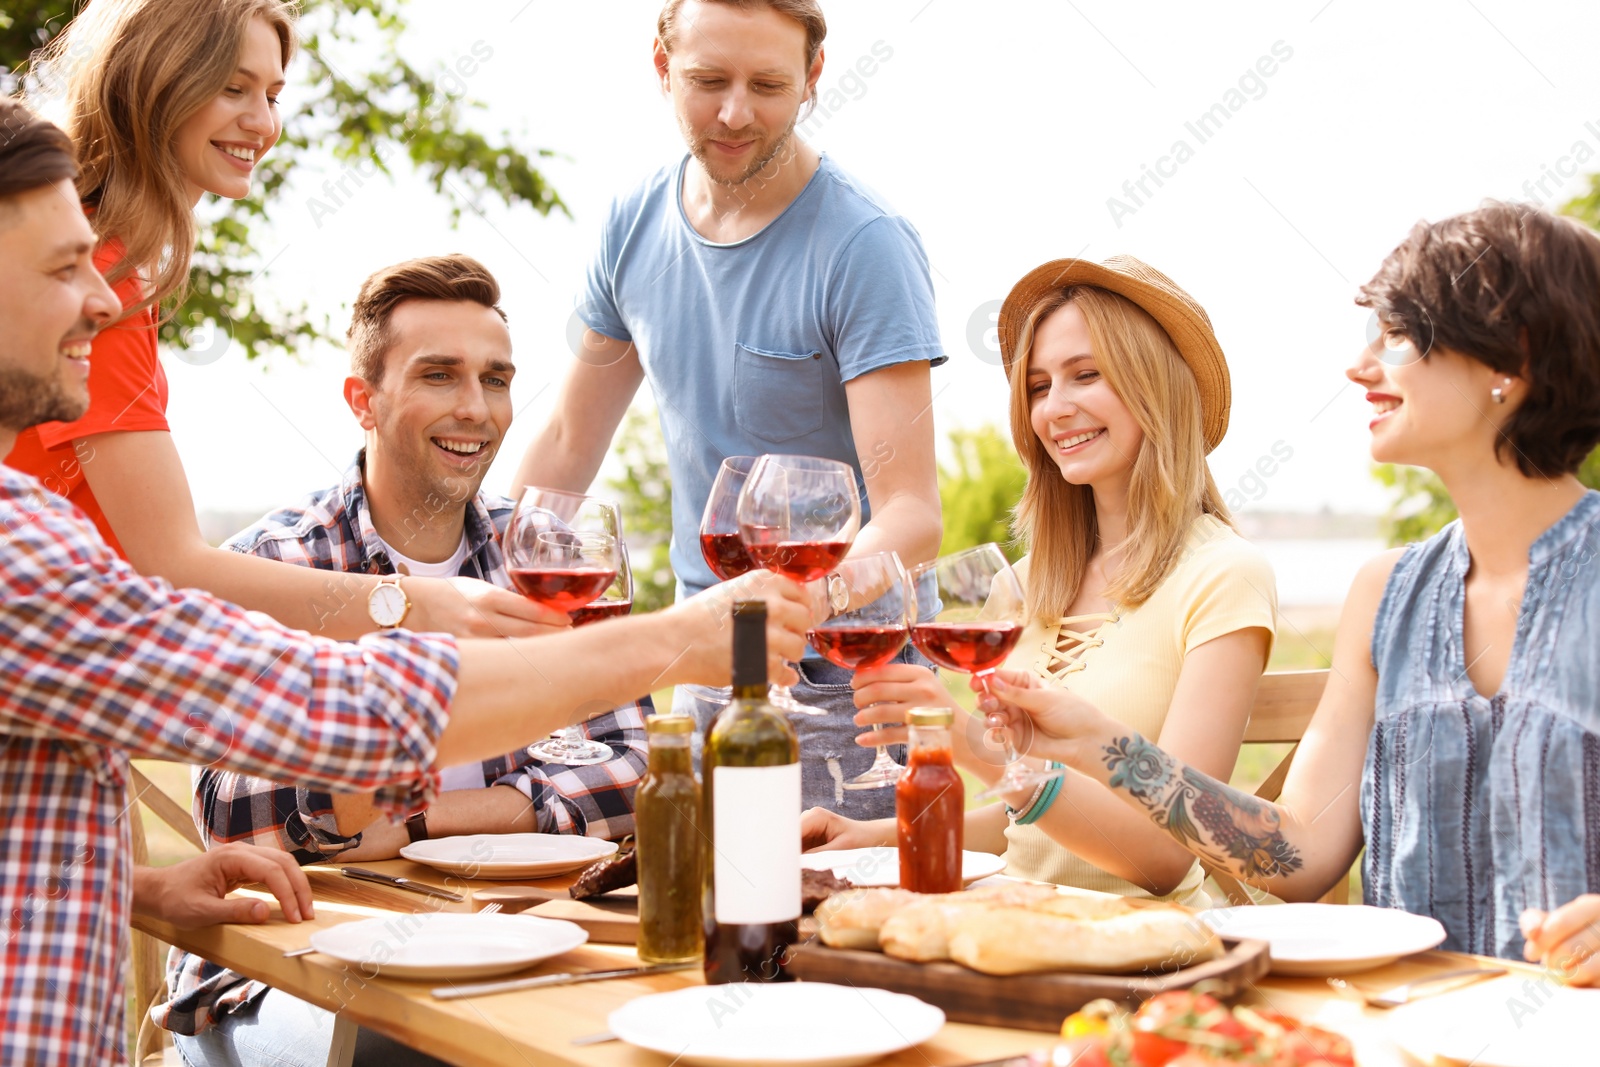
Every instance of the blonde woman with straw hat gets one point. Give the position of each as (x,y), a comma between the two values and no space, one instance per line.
(1141,596)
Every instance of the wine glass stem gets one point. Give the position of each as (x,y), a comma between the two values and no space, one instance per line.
(984,680)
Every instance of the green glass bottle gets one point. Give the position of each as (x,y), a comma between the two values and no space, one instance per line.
(751,819)
(669,849)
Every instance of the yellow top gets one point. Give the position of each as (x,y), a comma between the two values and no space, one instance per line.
(1127,663)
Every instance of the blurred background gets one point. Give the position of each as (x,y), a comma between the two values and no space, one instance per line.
(1266,155)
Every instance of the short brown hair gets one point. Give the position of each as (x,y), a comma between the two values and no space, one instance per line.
(33,152)
(1517,289)
(449,278)
(808,13)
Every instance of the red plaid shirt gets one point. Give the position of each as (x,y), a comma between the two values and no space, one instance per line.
(333,530)
(101,663)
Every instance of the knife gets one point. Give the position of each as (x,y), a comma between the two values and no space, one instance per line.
(400,883)
(456,992)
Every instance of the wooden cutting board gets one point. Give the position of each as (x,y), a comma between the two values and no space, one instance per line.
(1027,1001)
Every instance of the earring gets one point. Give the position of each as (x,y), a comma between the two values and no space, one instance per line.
(1499,392)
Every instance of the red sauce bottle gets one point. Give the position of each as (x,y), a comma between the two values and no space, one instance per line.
(930,802)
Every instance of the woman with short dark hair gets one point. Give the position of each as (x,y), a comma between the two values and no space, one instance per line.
(1459,736)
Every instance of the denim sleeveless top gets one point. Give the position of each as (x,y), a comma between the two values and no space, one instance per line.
(1476,808)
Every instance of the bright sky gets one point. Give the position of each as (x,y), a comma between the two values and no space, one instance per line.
(1002,131)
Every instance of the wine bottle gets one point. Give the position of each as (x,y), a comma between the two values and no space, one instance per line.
(751,790)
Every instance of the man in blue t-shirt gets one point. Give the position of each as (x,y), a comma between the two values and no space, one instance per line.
(775,305)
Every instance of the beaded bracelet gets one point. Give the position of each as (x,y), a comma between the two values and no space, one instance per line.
(1016,814)
(1042,802)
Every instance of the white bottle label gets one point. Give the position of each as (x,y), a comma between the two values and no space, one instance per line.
(756,869)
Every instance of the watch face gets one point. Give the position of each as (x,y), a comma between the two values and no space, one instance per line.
(387,605)
(838,593)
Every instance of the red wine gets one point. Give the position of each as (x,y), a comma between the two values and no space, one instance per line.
(601,609)
(859,648)
(804,561)
(749,952)
(562,588)
(966,646)
(725,554)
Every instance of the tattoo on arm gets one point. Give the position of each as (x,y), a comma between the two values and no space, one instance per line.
(1235,830)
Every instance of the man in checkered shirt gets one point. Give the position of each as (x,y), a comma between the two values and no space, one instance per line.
(100,662)
(430,377)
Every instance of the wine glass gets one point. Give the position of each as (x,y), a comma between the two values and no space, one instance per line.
(720,541)
(977,607)
(798,516)
(616,601)
(872,628)
(564,550)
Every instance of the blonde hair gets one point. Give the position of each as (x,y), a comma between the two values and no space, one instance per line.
(1170,484)
(132,72)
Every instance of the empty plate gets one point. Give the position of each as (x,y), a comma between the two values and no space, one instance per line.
(798,1024)
(445,945)
(881,866)
(1515,1021)
(1316,940)
(509,855)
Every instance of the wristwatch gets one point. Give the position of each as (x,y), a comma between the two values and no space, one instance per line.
(417,826)
(387,603)
(838,593)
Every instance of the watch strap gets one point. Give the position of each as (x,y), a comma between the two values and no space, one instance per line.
(417,826)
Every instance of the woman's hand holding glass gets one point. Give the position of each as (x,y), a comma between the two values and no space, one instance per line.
(1056,723)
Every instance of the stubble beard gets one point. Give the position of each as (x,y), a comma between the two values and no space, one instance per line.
(781,142)
(29,399)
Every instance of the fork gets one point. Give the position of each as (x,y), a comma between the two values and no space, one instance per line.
(487,909)
(1422,987)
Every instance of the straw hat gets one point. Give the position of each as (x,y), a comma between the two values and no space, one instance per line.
(1184,320)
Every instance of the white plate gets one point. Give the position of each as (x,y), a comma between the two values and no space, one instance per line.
(799,1024)
(1317,940)
(880,866)
(444,945)
(1515,1021)
(509,855)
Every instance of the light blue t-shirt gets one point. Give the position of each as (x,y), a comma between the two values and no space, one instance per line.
(747,346)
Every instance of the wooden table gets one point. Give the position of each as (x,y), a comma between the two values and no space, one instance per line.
(537,1026)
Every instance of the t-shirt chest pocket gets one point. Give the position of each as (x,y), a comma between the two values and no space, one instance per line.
(778,396)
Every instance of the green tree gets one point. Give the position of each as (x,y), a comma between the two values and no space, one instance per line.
(645,491)
(1420,506)
(363,120)
(978,488)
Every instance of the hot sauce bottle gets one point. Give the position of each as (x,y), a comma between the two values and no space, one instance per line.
(930,802)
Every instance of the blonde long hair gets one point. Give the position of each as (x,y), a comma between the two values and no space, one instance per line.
(1170,485)
(131,72)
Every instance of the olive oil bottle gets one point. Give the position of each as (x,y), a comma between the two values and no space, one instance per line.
(669,849)
(751,821)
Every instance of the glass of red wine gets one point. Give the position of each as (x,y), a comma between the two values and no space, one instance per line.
(869,632)
(564,550)
(720,541)
(798,516)
(616,601)
(976,609)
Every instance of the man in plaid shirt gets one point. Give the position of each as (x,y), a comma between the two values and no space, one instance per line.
(100,662)
(425,512)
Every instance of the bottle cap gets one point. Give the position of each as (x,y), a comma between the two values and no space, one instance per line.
(932,717)
(669,725)
(749,643)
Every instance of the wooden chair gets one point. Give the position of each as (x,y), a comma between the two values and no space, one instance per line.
(147,965)
(1285,701)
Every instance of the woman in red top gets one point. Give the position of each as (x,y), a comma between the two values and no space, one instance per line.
(167,102)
